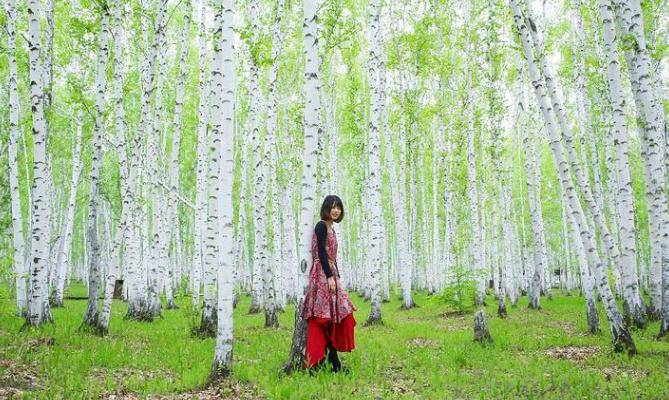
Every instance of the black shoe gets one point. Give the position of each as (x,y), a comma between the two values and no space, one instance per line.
(333,358)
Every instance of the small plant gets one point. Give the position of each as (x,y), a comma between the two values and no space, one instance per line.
(460,293)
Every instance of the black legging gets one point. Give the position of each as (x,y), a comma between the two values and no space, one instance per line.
(333,358)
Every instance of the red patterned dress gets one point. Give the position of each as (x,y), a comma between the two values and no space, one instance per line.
(329,315)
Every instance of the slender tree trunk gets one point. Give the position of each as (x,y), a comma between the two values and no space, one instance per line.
(510,258)
(271,280)
(211,243)
(583,113)
(620,334)
(222,132)
(477,240)
(202,156)
(48,54)
(95,271)
(406,260)
(650,112)
(312,130)
(587,282)
(375,165)
(625,197)
(595,211)
(174,166)
(20,264)
(64,255)
(39,311)
(157,264)
(531,170)
(258,190)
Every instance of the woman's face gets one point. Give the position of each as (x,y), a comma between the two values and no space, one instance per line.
(335,212)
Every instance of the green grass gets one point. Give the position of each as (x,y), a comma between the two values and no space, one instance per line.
(424,353)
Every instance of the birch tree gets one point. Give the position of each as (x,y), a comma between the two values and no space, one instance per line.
(375,165)
(19,253)
(625,198)
(95,271)
(222,132)
(533,192)
(270,278)
(63,262)
(202,155)
(38,311)
(312,130)
(153,131)
(472,191)
(174,166)
(620,334)
(260,238)
(652,121)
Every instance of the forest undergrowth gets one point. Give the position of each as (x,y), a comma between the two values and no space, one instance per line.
(426,352)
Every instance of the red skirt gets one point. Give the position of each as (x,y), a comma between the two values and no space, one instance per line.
(322,331)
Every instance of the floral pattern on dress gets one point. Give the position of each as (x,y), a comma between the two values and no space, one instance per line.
(318,301)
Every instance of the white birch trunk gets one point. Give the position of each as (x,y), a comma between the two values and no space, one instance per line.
(597,214)
(211,241)
(290,247)
(624,195)
(259,247)
(620,335)
(530,171)
(374,153)
(587,281)
(509,274)
(404,236)
(271,277)
(546,273)
(650,112)
(95,270)
(472,192)
(312,130)
(396,223)
(583,113)
(174,170)
(39,311)
(241,245)
(222,132)
(202,157)
(157,264)
(19,253)
(63,263)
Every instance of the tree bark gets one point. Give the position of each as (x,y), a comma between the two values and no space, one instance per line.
(39,311)
(19,254)
(222,132)
(64,254)
(95,270)
(312,130)
(625,197)
(620,334)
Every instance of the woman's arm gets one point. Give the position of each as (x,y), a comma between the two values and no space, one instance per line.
(321,240)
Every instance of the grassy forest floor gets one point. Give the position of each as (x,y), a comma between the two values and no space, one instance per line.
(425,353)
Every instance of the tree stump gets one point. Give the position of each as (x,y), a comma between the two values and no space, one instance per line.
(118,289)
(481,333)
(501,308)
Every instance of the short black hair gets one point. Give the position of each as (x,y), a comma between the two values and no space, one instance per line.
(331,201)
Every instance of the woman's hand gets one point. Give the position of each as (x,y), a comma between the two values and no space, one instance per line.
(331,284)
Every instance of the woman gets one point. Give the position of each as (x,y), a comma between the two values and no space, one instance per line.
(327,308)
